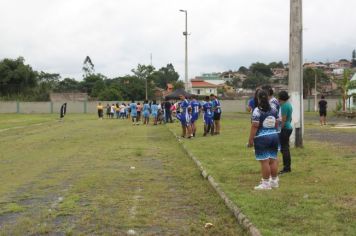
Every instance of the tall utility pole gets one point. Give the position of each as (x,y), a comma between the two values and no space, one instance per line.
(316,94)
(185,33)
(296,70)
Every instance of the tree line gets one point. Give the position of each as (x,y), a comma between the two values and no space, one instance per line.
(18,81)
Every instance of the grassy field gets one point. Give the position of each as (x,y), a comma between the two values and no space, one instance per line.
(317,198)
(86,176)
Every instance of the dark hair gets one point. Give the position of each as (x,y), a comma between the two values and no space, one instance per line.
(263,101)
(268,89)
(322,97)
(132,100)
(255,98)
(146,101)
(154,102)
(138,103)
(283,95)
(207,98)
(212,95)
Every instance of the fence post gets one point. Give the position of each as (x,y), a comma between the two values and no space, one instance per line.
(308,103)
(85,106)
(17,107)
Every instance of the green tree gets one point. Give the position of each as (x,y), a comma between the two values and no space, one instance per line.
(309,77)
(178,85)
(16,77)
(254,81)
(261,68)
(88,67)
(88,83)
(343,84)
(243,70)
(68,85)
(273,65)
(164,76)
(110,94)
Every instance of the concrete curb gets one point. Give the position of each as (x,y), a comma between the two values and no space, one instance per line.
(243,221)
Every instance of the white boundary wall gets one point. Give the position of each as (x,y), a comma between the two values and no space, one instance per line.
(90,107)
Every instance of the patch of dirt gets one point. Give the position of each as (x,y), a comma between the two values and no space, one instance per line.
(339,138)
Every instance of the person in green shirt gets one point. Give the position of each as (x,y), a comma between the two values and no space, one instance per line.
(286,130)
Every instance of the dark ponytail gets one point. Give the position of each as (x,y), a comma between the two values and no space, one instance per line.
(263,101)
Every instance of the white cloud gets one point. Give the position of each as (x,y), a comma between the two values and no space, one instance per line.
(56,35)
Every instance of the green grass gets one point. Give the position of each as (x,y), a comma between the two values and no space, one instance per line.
(317,198)
(76,178)
(19,120)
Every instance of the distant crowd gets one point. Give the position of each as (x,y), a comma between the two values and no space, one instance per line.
(186,111)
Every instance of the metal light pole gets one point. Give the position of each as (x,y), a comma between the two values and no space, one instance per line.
(316,94)
(296,70)
(185,33)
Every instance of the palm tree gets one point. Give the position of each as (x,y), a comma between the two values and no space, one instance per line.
(344,84)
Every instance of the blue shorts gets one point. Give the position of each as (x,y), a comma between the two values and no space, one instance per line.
(184,118)
(195,117)
(208,120)
(266,147)
(154,114)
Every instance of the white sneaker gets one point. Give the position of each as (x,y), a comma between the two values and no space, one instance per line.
(274,183)
(264,185)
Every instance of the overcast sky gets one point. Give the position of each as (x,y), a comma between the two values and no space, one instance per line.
(56,35)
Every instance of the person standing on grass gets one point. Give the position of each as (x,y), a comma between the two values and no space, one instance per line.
(323,105)
(139,109)
(63,111)
(217,113)
(272,100)
(196,107)
(146,113)
(108,109)
(117,110)
(184,117)
(122,111)
(100,109)
(133,111)
(264,137)
(154,109)
(112,111)
(167,111)
(253,102)
(286,130)
(208,117)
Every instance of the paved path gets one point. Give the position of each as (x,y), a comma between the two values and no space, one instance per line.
(103,177)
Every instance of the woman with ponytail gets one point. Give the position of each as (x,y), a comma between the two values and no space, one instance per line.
(264,137)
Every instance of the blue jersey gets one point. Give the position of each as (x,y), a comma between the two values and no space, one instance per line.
(216,106)
(154,109)
(133,108)
(195,106)
(208,113)
(146,110)
(184,106)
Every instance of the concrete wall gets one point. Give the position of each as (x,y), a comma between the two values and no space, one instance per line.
(90,107)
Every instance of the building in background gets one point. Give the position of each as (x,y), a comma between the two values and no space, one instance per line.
(203,88)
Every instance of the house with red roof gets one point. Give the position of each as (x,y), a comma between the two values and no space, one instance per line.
(201,87)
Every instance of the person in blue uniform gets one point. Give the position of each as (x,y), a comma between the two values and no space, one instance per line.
(146,113)
(264,137)
(184,117)
(196,107)
(217,113)
(133,111)
(208,117)
(154,110)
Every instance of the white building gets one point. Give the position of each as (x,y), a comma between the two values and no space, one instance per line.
(201,87)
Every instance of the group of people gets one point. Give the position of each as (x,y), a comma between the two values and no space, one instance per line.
(186,111)
(137,111)
(271,128)
(189,110)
